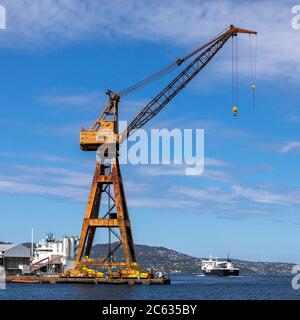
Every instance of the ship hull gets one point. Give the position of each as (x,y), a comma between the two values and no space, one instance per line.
(222,272)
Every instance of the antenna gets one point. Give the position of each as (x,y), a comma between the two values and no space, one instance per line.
(32,242)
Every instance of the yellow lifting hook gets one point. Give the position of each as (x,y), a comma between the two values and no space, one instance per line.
(235,110)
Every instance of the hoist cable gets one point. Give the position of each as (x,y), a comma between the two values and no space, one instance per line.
(232,71)
(237,70)
(253,62)
(166,70)
(149,79)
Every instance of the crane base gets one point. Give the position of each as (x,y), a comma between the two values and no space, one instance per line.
(86,280)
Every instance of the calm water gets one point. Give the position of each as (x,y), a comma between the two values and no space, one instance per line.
(182,287)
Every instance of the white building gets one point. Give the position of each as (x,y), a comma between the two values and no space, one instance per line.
(55,255)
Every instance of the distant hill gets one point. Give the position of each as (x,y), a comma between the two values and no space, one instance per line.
(171,261)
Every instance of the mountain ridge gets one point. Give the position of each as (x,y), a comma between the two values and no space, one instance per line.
(172,261)
(159,258)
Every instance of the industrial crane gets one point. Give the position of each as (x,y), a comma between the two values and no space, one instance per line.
(107,179)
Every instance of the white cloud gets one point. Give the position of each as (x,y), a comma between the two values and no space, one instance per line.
(74,185)
(47,157)
(137,187)
(165,170)
(216,162)
(89,99)
(229,203)
(211,200)
(60,191)
(43,23)
(45,181)
(267,197)
(198,203)
(92,100)
(53,174)
(162,202)
(265,167)
(293,118)
(179,170)
(55,182)
(211,194)
(292,145)
(218,175)
(214,128)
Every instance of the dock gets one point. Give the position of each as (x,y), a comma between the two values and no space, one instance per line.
(85,280)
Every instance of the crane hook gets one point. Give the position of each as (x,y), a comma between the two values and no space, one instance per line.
(235,111)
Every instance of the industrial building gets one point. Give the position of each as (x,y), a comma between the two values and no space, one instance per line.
(15,258)
(54,256)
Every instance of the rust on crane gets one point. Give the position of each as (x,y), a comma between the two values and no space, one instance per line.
(107,179)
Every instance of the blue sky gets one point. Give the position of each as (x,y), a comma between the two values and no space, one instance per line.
(58,58)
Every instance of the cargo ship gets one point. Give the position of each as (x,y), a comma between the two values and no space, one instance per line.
(223,268)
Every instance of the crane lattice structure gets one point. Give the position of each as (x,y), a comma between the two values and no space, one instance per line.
(107,181)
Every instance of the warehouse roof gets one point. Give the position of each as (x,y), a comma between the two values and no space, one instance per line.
(14,250)
(4,247)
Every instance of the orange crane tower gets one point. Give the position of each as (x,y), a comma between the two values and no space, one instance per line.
(107,181)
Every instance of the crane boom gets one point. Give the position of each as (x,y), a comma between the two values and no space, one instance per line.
(97,135)
(171,90)
(181,80)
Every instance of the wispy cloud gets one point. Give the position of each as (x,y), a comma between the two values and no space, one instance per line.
(46,159)
(211,200)
(27,188)
(216,162)
(218,175)
(289,146)
(179,170)
(213,128)
(89,99)
(266,196)
(72,185)
(265,167)
(212,194)
(50,181)
(293,118)
(162,202)
(45,181)
(48,174)
(93,100)
(51,23)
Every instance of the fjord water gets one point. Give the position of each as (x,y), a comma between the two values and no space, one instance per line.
(182,287)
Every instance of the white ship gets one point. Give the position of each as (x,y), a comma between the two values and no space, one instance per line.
(223,268)
(57,255)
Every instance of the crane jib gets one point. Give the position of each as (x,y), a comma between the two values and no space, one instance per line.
(171,90)
(208,51)
(204,54)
